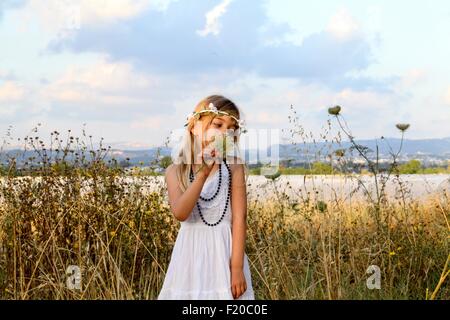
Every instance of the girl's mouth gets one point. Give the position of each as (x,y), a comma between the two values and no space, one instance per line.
(207,142)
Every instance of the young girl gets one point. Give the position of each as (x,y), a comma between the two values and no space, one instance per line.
(207,194)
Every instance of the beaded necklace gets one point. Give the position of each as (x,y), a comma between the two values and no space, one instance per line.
(191,178)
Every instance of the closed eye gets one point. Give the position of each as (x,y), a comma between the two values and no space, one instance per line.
(218,125)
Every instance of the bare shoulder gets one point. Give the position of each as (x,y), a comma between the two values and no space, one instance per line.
(170,169)
(170,173)
(171,177)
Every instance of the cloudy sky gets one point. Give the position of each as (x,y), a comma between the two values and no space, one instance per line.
(131,70)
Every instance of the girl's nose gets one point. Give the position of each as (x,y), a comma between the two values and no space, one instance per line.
(229,131)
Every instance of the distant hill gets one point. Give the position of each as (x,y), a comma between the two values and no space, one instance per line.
(434,148)
(438,148)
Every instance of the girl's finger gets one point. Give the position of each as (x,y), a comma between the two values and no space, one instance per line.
(239,292)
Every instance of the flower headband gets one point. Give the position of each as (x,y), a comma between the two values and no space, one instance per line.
(212,108)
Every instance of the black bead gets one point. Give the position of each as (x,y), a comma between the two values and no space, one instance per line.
(218,187)
(226,203)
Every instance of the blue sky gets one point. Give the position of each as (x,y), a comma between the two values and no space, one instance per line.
(132,69)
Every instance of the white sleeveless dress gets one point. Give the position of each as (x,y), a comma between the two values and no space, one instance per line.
(199,267)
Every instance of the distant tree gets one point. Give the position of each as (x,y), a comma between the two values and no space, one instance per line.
(60,167)
(321,168)
(411,167)
(124,163)
(165,161)
(286,163)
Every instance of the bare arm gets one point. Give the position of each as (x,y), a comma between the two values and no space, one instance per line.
(182,203)
(239,229)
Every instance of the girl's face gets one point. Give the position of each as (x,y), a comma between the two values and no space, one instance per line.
(219,125)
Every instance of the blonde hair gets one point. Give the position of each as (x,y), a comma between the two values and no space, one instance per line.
(184,156)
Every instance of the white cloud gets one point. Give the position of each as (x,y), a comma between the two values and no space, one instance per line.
(103,83)
(108,10)
(61,18)
(269,118)
(363,100)
(447,96)
(11,92)
(343,25)
(19,100)
(154,122)
(4,75)
(212,19)
(413,77)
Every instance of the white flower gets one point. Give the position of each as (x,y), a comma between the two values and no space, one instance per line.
(241,123)
(210,153)
(212,107)
(224,145)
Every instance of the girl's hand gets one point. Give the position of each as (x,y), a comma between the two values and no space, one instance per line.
(209,158)
(238,283)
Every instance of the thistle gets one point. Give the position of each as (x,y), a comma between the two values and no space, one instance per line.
(339,152)
(402,126)
(273,176)
(334,110)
